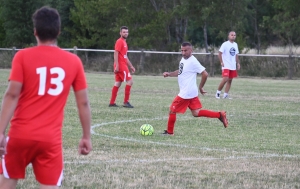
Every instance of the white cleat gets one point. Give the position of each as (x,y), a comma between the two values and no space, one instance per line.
(217,95)
(227,97)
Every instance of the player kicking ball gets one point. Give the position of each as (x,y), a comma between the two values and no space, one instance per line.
(189,67)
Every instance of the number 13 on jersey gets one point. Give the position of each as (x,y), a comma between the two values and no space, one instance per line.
(57,81)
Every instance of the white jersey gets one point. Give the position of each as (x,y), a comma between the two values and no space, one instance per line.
(229,51)
(187,77)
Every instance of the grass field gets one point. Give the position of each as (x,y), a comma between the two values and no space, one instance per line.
(259,149)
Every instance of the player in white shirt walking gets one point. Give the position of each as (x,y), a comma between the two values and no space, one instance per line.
(189,67)
(228,56)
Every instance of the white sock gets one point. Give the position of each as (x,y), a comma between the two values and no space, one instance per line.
(218,92)
(225,94)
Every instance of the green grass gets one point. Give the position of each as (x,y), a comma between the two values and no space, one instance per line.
(259,149)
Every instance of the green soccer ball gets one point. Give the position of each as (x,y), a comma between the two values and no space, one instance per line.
(146,130)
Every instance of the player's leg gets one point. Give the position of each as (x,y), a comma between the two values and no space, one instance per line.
(232,74)
(227,88)
(129,83)
(225,77)
(6,183)
(115,89)
(179,105)
(195,107)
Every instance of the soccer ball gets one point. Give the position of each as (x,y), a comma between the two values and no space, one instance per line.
(146,130)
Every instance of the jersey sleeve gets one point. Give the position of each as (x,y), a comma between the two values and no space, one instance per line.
(118,45)
(222,48)
(198,67)
(80,80)
(16,73)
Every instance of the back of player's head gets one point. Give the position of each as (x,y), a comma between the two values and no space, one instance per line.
(185,44)
(46,22)
(123,28)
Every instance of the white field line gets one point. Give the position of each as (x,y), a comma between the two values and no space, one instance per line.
(252,154)
(165,160)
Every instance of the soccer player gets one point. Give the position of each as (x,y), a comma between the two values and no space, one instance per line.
(39,84)
(189,67)
(228,56)
(122,74)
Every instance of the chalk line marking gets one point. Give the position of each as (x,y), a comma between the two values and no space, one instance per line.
(254,154)
(162,160)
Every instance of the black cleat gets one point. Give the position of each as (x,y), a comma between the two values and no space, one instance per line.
(113,105)
(127,105)
(166,133)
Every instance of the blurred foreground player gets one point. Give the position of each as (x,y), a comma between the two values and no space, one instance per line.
(39,84)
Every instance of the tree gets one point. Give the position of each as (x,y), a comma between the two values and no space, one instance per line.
(17,21)
(2,31)
(64,8)
(286,20)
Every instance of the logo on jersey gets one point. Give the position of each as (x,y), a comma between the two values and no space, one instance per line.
(180,68)
(232,51)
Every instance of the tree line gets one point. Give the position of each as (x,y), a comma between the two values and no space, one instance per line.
(157,24)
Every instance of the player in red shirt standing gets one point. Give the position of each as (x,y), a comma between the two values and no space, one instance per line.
(122,74)
(39,84)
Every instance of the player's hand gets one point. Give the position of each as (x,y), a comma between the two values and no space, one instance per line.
(132,69)
(222,64)
(166,74)
(85,146)
(2,145)
(116,69)
(202,91)
(238,66)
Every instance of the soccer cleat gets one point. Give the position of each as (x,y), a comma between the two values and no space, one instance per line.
(113,105)
(165,133)
(223,118)
(226,97)
(218,95)
(127,105)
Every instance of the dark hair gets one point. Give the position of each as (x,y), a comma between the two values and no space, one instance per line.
(123,28)
(184,44)
(46,22)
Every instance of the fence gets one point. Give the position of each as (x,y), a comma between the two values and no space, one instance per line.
(156,62)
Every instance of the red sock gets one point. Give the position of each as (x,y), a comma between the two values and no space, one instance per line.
(208,113)
(171,123)
(114,93)
(127,93)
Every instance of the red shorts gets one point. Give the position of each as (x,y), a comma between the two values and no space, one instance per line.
(229,73)
(46,159)
(179,105)
(123,76)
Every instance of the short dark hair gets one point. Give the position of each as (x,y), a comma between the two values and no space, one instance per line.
(184,44)
(123,28)
(46,22)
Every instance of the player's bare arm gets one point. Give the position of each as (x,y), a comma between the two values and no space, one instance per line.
(130,65)
(238,65)
(116,60)
(84,111)
(9,104)
(171,74)
(204,76)
(220,58)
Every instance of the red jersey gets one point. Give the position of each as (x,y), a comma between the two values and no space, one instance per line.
(122,48)
(47,74)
